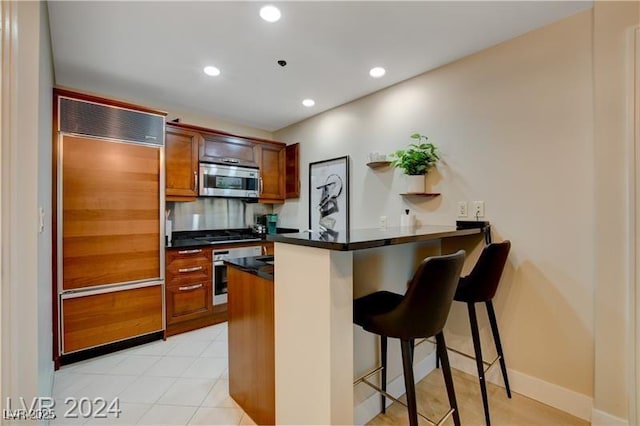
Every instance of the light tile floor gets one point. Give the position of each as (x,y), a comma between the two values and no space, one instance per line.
(180,381)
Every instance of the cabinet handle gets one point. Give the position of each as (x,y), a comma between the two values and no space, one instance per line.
(190,251)
(264,250)
(190,287)
(195,268)
(230,160)
(261,185)
(195,182)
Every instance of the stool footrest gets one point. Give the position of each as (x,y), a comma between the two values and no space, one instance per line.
(367,375)
(489,364)
(394,399)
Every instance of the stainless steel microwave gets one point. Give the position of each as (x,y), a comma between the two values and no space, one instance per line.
(217,180)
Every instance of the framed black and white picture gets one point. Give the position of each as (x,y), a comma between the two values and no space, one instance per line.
(329,197)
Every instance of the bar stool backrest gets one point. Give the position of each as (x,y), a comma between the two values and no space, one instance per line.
(482,283)
(425,306)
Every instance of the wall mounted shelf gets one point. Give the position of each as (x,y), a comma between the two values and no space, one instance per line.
(420,194)
(378,164)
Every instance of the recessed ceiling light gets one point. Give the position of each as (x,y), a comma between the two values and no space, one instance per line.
(270,13)
(211,70)
(377,72)
(308,103)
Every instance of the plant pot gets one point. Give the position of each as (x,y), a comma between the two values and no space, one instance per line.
(415,184)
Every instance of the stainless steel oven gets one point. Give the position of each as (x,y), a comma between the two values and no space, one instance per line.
(220,269)
(217,180)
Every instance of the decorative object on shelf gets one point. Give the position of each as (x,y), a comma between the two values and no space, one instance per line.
(329,197)
(407,219)
(416,161)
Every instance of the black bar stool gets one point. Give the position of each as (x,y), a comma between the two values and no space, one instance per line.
(420,313)
(481,286)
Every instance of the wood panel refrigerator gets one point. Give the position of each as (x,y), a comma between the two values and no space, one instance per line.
(109,244)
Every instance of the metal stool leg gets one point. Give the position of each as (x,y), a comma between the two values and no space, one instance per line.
(383,372)
(407,366)
(496,340)
(441,348)
(473,320)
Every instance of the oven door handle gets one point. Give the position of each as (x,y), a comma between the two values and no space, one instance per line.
(218,263)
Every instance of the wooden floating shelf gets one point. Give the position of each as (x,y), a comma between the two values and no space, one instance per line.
(420,194)
(378,164)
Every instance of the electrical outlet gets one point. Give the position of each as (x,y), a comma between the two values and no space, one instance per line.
(463,209)
(383,221)
(478,209)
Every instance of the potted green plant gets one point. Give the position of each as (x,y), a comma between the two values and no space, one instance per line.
(416,161)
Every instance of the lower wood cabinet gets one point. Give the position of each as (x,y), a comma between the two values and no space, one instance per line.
(188,301)
(94,320)
(189,291)
(252,345)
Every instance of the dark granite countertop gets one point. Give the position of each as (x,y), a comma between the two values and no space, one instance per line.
(358,239)
(185,242)
(261,266)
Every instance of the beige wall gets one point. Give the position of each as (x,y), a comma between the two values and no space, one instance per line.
(613,149)
(218,124)
(514,124)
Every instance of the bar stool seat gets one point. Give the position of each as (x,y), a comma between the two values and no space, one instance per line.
(420,313)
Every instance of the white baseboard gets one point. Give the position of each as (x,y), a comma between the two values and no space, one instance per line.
(600,418)
(563,399)
(370,407)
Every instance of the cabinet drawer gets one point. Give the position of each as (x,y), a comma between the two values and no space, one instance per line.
(180,271)
(194,254)
(97,319)
(188,301)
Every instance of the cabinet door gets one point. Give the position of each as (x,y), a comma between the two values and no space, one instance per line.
(181,164)
(292,180)
(228,150)
(188,301)
(272,173)
(110,212)
(94,320)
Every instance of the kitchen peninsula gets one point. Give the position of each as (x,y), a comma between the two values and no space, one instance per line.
(313,296)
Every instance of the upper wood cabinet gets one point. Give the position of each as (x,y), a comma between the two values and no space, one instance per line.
(230,150)
(292,171)
(187,144)
(272,173)
(181,165)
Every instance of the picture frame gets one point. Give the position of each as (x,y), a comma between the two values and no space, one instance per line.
(329,197)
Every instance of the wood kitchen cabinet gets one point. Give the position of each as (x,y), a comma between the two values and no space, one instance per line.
(292,171)
(227,149)
(181,163)
(252,345)
(189,291)
(272,173)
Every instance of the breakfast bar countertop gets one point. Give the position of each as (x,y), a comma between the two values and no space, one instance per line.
(358,239)
(261,266)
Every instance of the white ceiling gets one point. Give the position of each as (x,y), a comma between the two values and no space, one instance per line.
(153,53)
